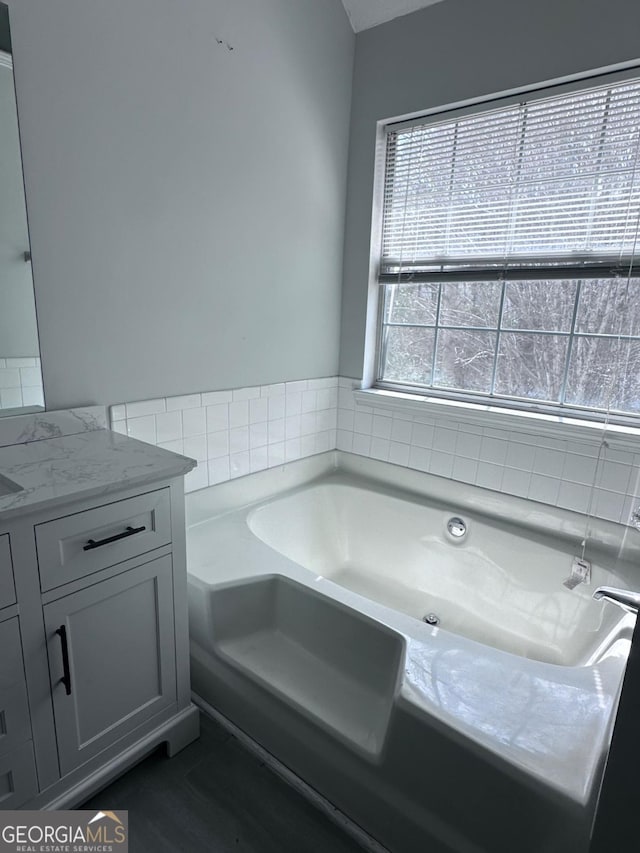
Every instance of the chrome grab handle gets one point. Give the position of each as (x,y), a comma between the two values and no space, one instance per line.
(629,601)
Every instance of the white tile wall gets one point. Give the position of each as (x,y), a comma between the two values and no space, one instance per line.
(20,383)
(237,432)
(542,468)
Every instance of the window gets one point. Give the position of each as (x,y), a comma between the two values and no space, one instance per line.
(507,254)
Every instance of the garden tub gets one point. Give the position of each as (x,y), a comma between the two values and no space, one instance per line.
(411,653)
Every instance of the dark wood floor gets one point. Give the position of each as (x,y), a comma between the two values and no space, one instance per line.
(215,796)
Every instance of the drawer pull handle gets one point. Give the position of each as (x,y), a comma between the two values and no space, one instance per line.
(66,678)
(130,531)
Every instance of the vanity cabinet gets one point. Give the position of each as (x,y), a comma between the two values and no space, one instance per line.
(93,644)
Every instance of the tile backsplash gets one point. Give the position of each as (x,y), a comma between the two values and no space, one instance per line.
(237,432)
(551,470)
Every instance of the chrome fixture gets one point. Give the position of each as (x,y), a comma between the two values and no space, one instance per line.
(580,573)
(628,600)
(431,619)
(456,528)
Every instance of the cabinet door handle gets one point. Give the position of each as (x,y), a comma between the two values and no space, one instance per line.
(66,678)
(130,531)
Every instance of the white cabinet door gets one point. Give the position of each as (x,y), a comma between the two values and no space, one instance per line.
(111,659)
(18,782)
(7,590)
(15,724)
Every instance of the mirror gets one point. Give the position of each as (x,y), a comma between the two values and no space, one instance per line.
(20,372)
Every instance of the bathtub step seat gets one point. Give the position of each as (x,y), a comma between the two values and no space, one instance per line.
(327,661)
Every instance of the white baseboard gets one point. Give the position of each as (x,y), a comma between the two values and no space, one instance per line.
(328,809)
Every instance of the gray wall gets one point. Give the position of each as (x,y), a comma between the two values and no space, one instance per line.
(450,52)
(18,330)
(186,201)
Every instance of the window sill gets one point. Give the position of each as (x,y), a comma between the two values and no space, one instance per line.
(619,437)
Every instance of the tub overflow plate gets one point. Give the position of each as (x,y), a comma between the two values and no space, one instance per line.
(456,528)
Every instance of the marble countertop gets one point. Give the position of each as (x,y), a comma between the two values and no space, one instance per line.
(75,467)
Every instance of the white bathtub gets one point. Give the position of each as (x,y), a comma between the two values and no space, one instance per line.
(496,586)
(485,733)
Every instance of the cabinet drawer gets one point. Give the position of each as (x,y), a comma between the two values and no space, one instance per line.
(79,545)
(18,782)
(15,727)
(7,589)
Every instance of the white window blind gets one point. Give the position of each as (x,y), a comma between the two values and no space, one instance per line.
(550,183)
(507,263)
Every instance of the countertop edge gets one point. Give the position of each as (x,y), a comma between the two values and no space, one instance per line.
(177,466)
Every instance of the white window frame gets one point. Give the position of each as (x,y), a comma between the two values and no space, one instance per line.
(453,403)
